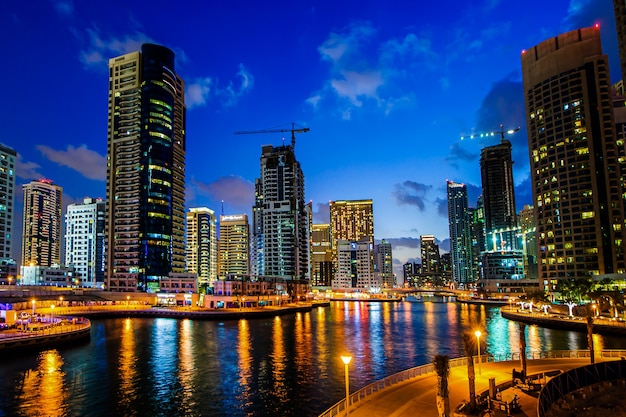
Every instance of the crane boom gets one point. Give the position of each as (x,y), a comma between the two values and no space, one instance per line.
(500,132)
(293,131)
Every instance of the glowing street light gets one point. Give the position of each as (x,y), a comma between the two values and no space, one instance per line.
(127,300)
(478,333)
(33,303)
(52,313)
(346,360)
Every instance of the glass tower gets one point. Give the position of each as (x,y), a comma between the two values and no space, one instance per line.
(145,170)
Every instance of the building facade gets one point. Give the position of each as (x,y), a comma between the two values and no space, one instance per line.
(575,172)
(355,267)
(460,233)
(41,232)
(321,255)
(234,247)
(280,217)
(7,197)
(201,246)
(84,241)
(145,200)
(383,264)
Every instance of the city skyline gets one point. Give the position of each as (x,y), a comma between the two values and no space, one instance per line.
(376,86)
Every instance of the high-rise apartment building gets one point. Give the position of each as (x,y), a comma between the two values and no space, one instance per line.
(84,241)
(145,199)
(575,172)
(431,259)
(7,184)
(321,255)
(280,217)
(383,264)
(529,240)
(354,268)
(41,232)
(351,220)
(201,249)
(460,233)
(234,248)
(496,168)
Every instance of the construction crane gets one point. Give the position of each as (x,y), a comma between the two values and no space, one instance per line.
(500,132)
(293,131)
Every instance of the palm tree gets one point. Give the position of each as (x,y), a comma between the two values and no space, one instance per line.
(442,368)
(468,345)
(522,347)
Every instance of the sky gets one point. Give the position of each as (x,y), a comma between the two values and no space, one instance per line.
(387,88)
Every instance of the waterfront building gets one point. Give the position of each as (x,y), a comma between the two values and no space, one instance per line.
(234,245)
(354,268)
(84,241)
(55,275)
(280,217)
(321,255)
(574,157)
(351,220)
(460,233)
(383,264)
(430,271)
(477,231)
(8,158)
(201,249)
(498,199)
(410,274)
(41,231)
(145,190)
(529,241)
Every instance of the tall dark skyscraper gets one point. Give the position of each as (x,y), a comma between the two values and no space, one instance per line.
(496,168)
(280,217)
(460,233)
(145,199)
(575,173)
(619,7)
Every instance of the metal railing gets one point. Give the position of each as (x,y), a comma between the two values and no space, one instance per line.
(340,407)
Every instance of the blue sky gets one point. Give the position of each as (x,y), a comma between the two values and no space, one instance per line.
(387,89)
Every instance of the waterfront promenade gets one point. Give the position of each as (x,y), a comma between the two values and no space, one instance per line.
(417,396)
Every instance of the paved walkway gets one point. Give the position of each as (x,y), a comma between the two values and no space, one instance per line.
(417,397)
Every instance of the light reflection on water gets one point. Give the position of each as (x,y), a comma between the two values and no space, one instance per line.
(287,366)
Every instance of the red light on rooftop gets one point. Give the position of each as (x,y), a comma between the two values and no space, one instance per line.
(597,26)
(523,51)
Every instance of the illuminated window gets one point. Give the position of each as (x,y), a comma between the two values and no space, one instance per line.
(588,215)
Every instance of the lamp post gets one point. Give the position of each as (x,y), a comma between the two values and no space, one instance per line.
(33,304)
(127,300)
(478,333)
(52,314)
(346,360)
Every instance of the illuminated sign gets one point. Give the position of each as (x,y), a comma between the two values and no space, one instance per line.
(232,217)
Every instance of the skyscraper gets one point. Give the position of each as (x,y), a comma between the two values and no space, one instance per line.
(145,170)
(354,266)
(383,264)
(84,241)
(41,233)
(430,255)
(460,233)
(234,248)
(280,238)
(7,197)
(321,255)
(201,247)
(496,168)
(575,173)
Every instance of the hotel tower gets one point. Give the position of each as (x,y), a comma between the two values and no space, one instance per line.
(576,177)
(145,192)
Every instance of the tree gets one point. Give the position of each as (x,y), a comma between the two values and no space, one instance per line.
(442,368)
(522,346)
(468,345)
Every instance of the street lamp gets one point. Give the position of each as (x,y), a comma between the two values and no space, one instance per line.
(478,333)
(33,303)
(346,360)
(127,300)
(52,313)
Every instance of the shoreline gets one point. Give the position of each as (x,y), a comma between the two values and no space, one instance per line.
(600,326)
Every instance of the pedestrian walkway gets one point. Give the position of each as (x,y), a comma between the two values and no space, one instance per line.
(417,397)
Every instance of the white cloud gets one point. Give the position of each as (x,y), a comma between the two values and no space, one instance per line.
(364,70)
(27,170)
(202,90)
(83,160)
(101,49)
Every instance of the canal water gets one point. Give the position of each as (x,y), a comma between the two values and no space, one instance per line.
(285,366)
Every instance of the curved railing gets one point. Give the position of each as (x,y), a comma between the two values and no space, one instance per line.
(377,386)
